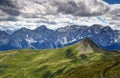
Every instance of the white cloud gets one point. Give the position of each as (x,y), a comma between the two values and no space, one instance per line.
(59,13)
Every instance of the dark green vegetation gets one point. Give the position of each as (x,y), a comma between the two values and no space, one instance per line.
(81,60)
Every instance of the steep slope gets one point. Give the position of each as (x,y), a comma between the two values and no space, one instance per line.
(4,40)
(50,63)
(105,68)
(88,45)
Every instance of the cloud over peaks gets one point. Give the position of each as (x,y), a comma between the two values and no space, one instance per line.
(82,7)
(32,13)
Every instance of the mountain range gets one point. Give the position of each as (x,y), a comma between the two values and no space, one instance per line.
(45,38)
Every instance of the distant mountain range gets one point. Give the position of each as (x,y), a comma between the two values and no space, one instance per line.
(44,38)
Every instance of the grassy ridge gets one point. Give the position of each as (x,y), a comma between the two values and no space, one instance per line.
(47,63)
(109,68)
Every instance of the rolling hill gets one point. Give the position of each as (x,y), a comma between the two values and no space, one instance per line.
(84,57)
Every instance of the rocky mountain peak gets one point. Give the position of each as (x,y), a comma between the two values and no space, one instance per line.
(87,45)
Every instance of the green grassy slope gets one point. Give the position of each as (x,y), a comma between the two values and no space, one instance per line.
(109,68)
(54,63)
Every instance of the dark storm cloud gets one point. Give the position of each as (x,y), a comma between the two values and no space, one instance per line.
(10,11)
(66,8)
(6,3)
(9,8)
(80,8)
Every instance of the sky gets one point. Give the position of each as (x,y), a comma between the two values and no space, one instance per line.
(15,14)
(113,1)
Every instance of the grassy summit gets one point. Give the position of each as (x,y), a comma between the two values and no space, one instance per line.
(82,60)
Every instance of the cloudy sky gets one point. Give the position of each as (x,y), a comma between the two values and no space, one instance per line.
(15,14)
